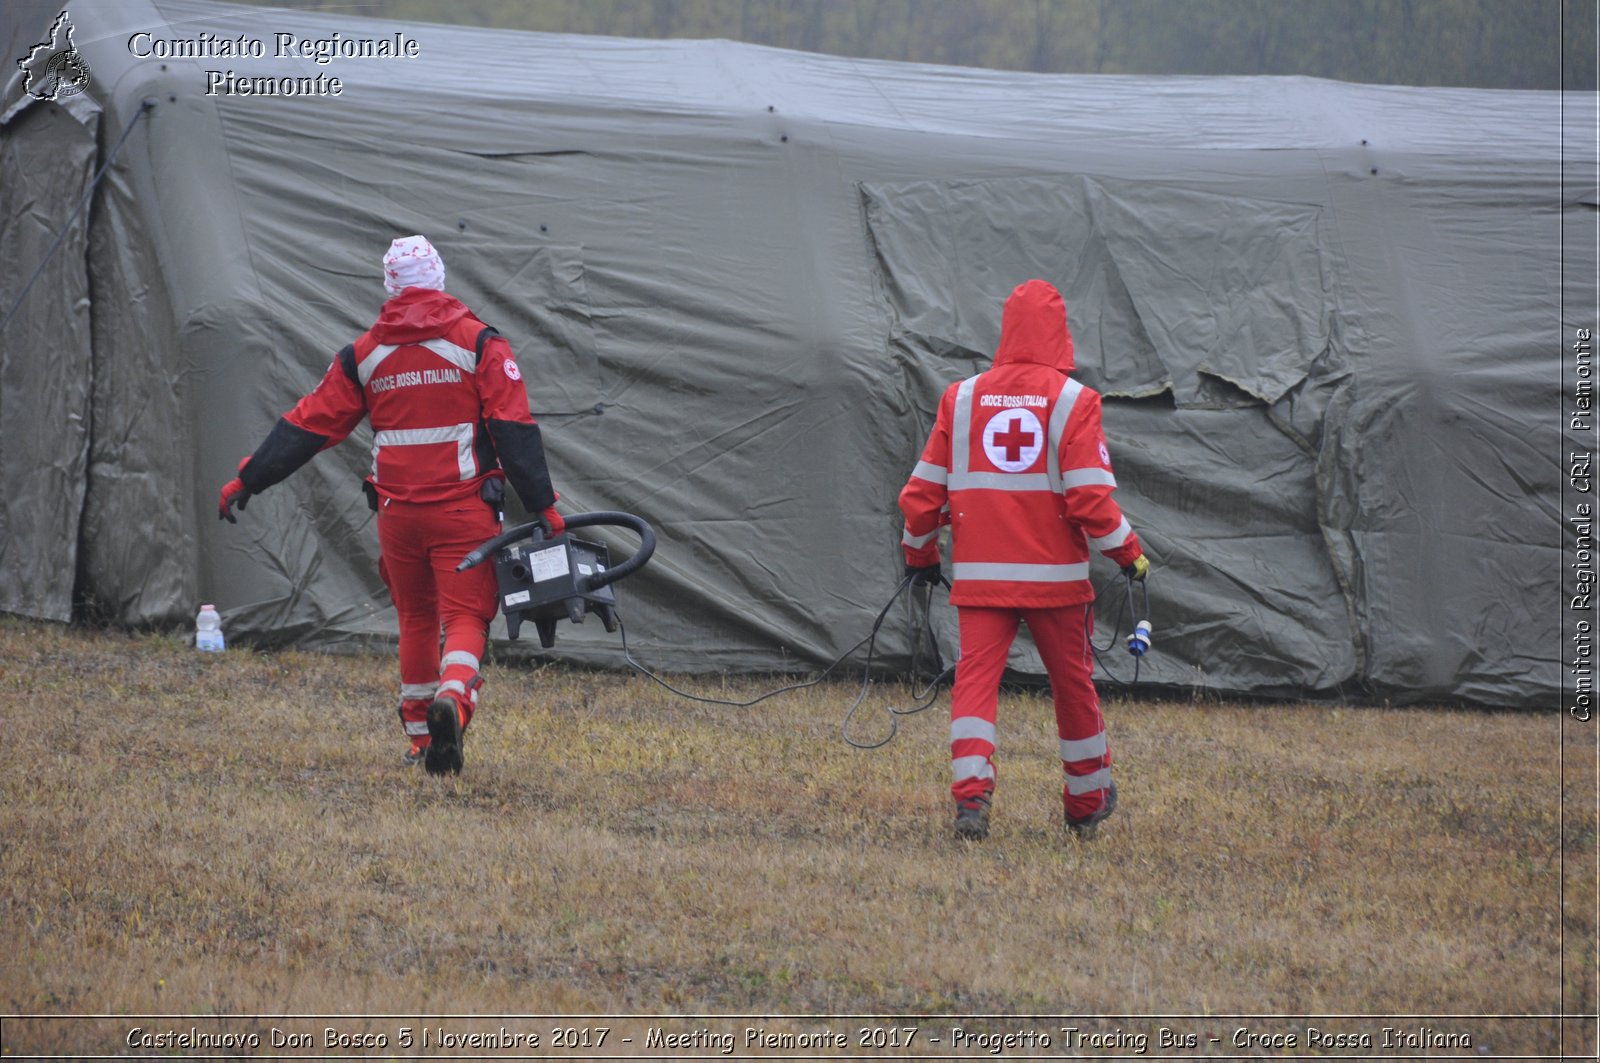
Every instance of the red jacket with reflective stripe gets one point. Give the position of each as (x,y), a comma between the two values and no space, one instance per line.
(1017,465)
(417,374)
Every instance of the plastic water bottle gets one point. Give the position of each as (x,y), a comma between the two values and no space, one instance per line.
(208,630)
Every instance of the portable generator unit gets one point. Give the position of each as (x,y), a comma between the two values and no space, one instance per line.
(550,579)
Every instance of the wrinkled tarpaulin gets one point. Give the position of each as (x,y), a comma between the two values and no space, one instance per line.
(1326,318)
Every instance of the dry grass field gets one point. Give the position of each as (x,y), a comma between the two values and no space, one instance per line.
(197,835)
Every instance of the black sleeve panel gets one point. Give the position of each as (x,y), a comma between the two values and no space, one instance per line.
(347,362)
(489,332)
(521,450)
(285,449)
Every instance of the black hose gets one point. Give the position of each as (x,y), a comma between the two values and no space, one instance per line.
(535,530)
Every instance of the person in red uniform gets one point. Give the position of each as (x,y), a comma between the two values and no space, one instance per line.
(1017,465)
(450,424)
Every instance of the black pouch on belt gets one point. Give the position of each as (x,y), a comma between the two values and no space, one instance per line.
(371,493)
(493,492)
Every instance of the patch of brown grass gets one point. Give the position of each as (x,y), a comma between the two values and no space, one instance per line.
(230,834)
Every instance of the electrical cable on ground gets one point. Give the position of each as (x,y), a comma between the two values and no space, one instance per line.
(869,640)
(924,698)
(921,699)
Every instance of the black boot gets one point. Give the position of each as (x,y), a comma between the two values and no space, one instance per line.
(444,734)
(972,817)
(1087,827)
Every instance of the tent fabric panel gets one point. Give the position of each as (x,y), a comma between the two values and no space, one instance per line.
(138,536)
(48,153)
(1163,283)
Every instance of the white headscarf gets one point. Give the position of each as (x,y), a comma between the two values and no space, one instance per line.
(412,263)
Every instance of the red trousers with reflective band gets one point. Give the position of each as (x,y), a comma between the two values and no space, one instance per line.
(421,546)
(1062,635)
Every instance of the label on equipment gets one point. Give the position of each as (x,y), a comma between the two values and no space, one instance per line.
(517,598)
(548,563)
(585,569)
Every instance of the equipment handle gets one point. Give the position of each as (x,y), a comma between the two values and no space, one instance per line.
(612,518)
(534,530)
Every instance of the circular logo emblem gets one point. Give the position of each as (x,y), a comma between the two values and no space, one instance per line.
(53,68)
(65,75)
(1013,439)
(511,369)
(1105,455)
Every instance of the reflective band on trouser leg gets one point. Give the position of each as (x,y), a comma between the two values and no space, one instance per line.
(466,600)
(1062,637)
(408,574)
(973,728)
(1091,748)
(461,657)
(1093,783)
(971,753)
(986,636)
(967,770)
(464,692)
(414,701)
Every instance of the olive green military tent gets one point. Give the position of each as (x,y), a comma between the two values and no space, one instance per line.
(1329,321)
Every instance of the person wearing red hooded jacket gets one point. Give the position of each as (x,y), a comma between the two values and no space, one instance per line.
(450,424)
(1017,465)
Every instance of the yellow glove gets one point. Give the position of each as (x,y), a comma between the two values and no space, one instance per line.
(1139,569)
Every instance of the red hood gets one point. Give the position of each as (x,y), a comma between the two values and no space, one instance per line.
(418,314)
(1033,327)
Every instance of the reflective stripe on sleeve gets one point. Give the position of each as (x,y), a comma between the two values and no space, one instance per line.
(971,768)
(918,541)
(1018,572)
(971,727)
(1091,748)
(1115,539)
(1078,785)
(1087,478)
(927,470)
(461,435)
